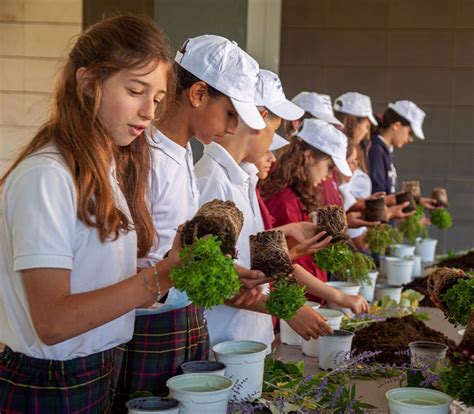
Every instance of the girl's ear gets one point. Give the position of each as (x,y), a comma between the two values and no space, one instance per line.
(198,93)
(396,125)
(83,81)
(307,156)
(264,115)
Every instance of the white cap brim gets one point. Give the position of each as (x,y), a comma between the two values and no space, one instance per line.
(342,166)
(286,110)
(417,131)
(330,119)
(248,112)
(278,142)
(372,119)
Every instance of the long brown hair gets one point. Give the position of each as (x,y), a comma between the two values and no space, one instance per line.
(117,43)
(291,171)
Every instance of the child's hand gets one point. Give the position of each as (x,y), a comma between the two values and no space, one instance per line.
(355,303)
(246,297)
(252,278)
(355,220)
(396,211)
(310,246)
(299,231)
(428,203)
(309,324)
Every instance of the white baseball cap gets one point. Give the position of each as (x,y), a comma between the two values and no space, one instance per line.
(318,105)
(278,142)
(227,68)
(270,94)
(328,139)
(357,104)
(412,113)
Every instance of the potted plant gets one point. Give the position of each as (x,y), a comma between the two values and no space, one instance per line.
(412,227)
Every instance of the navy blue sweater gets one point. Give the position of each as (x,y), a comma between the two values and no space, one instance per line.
(382,171)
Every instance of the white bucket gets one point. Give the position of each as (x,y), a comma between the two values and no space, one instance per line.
(200,393)
(399,270)
(417,267)
(152,405)
(411,400)
(367,289)
(244,361)
(203,367)
(348,288)
(426,249)
(394,292)
(334,319)
(288,336)
(427,353)
(334,349)
(402,250)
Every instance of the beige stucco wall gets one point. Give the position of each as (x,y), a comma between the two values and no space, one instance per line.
(34,36)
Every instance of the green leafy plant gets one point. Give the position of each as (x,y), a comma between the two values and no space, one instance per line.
(359,267)
(380,237)
(334,258)
(412,228)
(458,382)
(441,218)
(205,274)
(459,300)
(285,299)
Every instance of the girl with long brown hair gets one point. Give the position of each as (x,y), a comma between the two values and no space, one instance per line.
(73,219)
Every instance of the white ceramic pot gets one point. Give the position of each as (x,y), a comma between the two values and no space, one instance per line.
(394,292)
(411,400)
(201,393)
(334,349)
(348,288)
(244,361)
(399,270)
(152,405)
(418,270)
(367,289)
(402,250)
(334,319)
(203,367)
(426,249)
(288,336)
(427,353)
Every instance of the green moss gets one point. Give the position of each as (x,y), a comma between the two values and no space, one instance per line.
(285,299)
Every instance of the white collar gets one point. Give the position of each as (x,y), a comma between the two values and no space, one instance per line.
(219,154)
(157,139)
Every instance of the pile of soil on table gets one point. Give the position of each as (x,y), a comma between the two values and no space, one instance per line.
(465,262)
(392,337)
(419,284)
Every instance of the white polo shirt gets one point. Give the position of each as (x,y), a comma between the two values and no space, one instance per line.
(219,176)
(174,198)
(39,228)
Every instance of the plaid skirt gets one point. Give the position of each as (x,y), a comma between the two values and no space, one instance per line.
(160,344)
(41,386)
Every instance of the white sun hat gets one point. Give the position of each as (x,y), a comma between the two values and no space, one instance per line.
(412,113)
(318,105)
(270,94)
(278,142)
(226,67)
(357,104)
(328,139)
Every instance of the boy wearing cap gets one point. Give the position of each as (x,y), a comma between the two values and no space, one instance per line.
(227,171)
(400,122)
(216,84)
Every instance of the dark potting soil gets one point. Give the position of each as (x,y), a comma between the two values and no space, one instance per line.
(465,262)
(419,284)
(392,336)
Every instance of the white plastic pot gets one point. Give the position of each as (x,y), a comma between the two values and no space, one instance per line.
(411,400)
(418,271)
(201,393)
(399,270)
(203,367)
(403,250)
(348,288)
(334,349)
(426,249)
(288,336)
(244,361)
(394,292)
(427,353)
(334,319)
(153,405)
(367,289)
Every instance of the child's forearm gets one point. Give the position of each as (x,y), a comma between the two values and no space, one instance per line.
(316,287)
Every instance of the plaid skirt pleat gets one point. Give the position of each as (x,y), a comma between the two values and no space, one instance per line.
(39,386)
(160,344)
